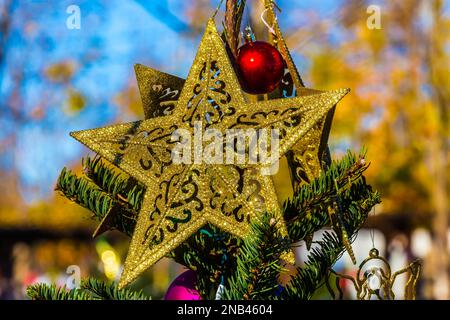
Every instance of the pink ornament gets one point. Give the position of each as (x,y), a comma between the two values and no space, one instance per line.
(183,287)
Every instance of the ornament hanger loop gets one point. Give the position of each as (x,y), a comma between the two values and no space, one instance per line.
(374,253)
(271,28)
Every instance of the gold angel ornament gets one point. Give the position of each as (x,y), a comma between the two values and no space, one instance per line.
(375,280)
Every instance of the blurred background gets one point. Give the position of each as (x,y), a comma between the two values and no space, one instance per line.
(55,79)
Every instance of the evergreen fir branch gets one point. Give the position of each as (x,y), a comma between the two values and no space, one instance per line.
(85,193)
(331,248)
(308,278)
(43,291)
(121,187)
(109,291)
(307,211)
(91,289)
(360,194)
(258,263)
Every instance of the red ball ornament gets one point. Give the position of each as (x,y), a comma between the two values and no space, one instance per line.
(261,67)
(183,287)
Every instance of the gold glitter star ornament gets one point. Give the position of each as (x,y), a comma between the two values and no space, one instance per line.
(182,197)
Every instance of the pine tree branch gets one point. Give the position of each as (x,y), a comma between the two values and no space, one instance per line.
(83,192)
(105,190)
(357,203)
(109,291)
(91,289)
(308,278)
(123,188)
(308,210)
(43,291)
(258,263)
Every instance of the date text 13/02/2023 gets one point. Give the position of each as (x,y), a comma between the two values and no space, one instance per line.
(225,309)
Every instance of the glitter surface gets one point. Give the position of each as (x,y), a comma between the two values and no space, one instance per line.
(181,198)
